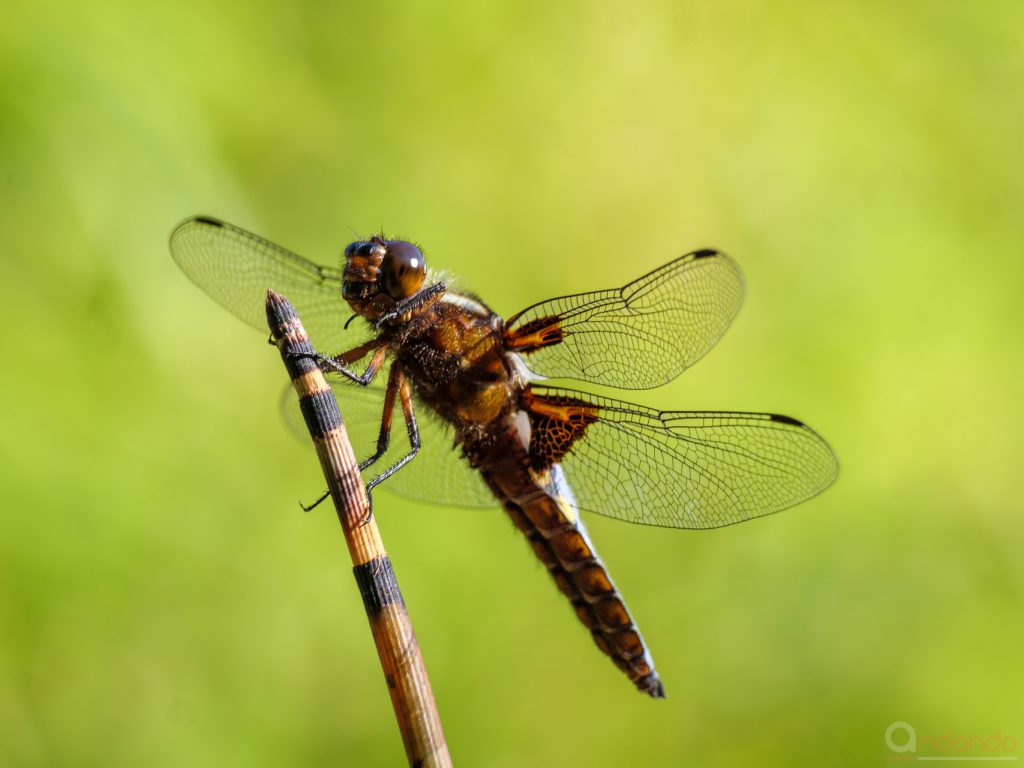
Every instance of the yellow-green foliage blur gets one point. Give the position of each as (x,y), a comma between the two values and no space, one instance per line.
(163,600)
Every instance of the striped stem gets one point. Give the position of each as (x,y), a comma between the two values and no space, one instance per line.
(393,634)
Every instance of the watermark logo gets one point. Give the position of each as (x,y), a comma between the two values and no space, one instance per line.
(905,743)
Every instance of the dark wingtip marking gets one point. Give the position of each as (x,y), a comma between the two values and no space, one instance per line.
(705,253)
(786,420)
(209,220)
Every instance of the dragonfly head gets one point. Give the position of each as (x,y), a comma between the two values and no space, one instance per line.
(380,272)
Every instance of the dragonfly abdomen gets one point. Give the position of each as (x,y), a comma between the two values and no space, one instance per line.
(542,507)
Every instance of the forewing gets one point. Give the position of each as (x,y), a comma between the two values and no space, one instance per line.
(680,469)
(438,474)
(236,268)
(638,336)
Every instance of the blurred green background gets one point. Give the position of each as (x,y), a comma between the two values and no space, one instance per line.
(164,602)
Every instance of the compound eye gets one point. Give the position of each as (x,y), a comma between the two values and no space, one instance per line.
(364,249)
(404,269)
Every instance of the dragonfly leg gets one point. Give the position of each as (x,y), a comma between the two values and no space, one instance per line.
(395,382)
(315,504)
(369,509)
(424,298)
(339,364)
(384,437)
(405,394)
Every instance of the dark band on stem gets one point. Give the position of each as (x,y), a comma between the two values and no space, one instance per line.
(289,332)
(320,410)
(377,585)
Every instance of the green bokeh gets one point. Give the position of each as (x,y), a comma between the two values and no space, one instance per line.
(164,602)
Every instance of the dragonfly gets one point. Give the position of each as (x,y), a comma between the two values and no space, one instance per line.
(471,387)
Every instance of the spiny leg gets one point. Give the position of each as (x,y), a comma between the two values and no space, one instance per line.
(424,298)
(384,437)
(315,504)
(340,363)
(398,381)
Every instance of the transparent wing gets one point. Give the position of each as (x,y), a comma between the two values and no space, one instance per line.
(438,474)
(681,469)
(638,336)
(236,268)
